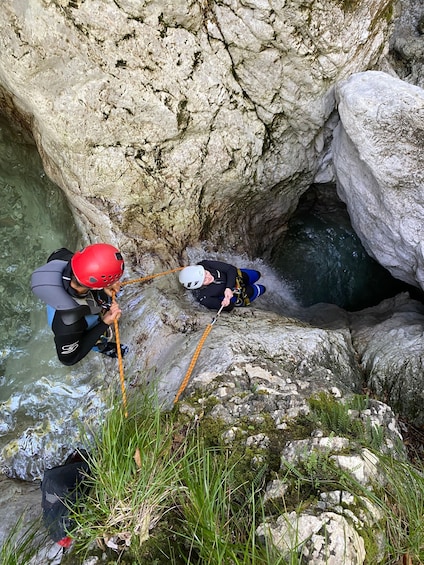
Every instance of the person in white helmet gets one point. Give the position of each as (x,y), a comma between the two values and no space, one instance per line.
(215,284)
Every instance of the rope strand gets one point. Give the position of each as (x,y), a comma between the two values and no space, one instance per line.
(196,356)
(193,363)
(120,363)
(118,339)
(149,277)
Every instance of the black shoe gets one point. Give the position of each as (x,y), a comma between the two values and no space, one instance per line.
(111,350)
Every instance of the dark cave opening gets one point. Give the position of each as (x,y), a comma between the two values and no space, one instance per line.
(323,259)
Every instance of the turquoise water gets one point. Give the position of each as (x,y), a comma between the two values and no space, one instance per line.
(42,402)
(34,220)
(323,259)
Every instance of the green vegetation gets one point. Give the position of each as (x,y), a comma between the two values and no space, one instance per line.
(22,543)
(397,494)
(346,419)
(218,513)
(333,416)
(134,466)
(402,501)
(160,493)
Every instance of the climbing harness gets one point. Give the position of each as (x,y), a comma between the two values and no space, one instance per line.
(240,290)
(196,355)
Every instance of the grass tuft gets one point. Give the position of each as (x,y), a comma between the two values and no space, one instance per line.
(133,476)
(22,542)
(218,514)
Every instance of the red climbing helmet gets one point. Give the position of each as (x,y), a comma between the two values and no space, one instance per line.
(98,265)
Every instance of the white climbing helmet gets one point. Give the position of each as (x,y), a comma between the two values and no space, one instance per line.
(192,277)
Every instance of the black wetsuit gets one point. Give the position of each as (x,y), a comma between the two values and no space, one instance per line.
(212,294)
(73,336)
(62,488)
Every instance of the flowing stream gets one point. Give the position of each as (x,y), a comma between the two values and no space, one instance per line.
(36,391)
(323,259)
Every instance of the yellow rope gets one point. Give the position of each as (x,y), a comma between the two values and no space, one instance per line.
(195,356)
(196,353)
(117,337)
(149,277)
(193,362)
(120,363)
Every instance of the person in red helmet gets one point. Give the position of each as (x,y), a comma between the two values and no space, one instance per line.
(78,288)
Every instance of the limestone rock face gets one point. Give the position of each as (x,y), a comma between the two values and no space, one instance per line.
(379,164)
(389,340)
(406,43)
(166,126)
(329,539)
